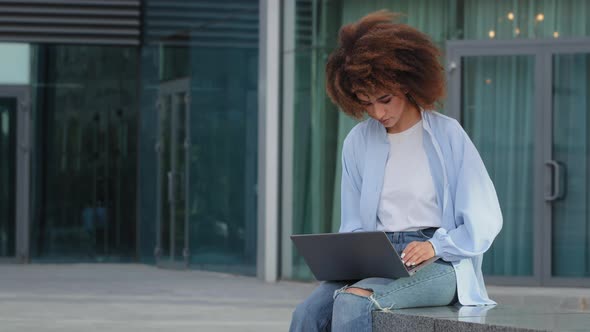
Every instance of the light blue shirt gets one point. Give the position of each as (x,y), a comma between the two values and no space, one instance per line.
(471,215)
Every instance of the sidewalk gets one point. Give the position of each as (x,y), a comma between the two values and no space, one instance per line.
(134,297)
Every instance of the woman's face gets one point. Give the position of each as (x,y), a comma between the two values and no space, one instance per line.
(385,107)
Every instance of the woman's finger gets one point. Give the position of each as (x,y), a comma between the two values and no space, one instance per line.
(409,249)
(412,255)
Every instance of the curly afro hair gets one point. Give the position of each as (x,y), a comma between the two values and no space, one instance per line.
(378,54)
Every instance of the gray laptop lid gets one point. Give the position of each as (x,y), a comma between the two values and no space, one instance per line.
(352,256)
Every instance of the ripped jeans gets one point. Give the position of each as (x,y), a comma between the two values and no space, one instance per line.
(330,307)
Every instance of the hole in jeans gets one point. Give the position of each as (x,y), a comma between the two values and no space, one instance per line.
(365,293)
(359,291)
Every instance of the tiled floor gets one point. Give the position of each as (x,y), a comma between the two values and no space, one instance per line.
(134,297)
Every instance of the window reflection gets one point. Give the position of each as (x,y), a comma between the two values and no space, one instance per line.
(216,54)
(7,176)
(85,115)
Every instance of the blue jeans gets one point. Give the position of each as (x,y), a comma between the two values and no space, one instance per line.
(330,307)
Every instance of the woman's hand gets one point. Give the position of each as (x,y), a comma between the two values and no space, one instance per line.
(417,252)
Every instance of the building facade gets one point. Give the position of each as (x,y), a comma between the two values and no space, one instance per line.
(138,122)
(198,134)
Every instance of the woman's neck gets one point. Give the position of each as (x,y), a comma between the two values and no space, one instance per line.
(409,118)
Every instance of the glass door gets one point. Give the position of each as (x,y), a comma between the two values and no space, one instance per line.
(526,106)
(567,184)
(14,173)
(498,113)
(85,162)
(172,148)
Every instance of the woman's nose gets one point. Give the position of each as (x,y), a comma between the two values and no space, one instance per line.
(378,111)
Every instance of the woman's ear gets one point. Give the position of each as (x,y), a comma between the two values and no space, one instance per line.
(411,99)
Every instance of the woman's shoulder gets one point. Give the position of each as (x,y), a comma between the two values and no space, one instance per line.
(445,127)
(440,121)
(355,142)
(450,135)
(359,132)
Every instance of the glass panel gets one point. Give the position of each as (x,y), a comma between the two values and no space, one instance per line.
(316,133)
(223,159)
(85,117)
(571,149)
(497,109)
(165,173)
(174,60)
(180,174)
(173,136)
(219,57)
(8,114)
(524,19)
(15,66)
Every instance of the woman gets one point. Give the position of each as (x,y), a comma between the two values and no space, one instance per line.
(408,171)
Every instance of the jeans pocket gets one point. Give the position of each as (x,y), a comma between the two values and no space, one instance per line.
(427,233)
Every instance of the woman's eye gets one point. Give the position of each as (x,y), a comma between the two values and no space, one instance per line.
(386,101)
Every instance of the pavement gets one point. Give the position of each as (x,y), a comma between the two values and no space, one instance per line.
(136,297)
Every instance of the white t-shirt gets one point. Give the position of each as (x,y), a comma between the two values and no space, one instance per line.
(408,198)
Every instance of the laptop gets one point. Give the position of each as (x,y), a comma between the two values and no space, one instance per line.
(353,256)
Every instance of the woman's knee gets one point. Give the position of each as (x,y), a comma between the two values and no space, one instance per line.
(304,319)
(351,300)
(352,312)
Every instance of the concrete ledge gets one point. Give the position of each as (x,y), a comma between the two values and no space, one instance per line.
(383,321)
(571,299)
(499,318)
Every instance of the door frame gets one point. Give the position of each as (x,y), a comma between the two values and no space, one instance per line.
(542,51)
(23,157)
(169,88)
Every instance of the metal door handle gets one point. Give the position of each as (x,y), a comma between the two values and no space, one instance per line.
(557,171)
